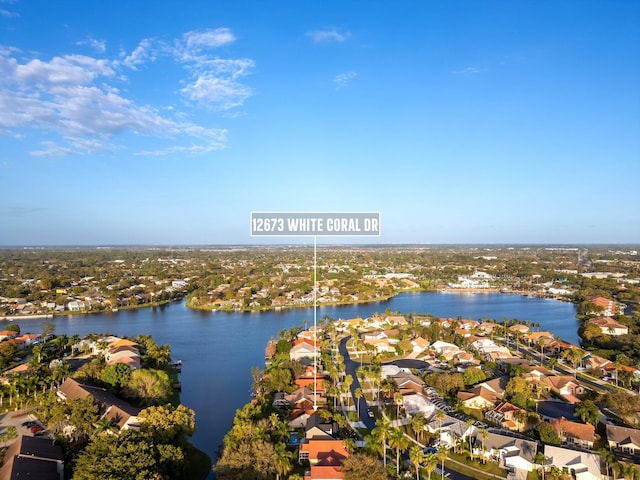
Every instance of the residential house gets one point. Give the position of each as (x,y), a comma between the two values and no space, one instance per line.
(33,457)
(30,339)
(609,326)
(510,452)
(409,383)
(444,348)
(535,338)
(504,415)
(310,379)
(487,328)
(419,344)
(479,398)
(302,348)
(566,386)
(609,307)
(319,428)
(624,439)
(110,407)
(325,457)
(595,364)
(574,433)
(414,403)
(581,465)
(397,320)
(451,429)
(518,329)
(8,334)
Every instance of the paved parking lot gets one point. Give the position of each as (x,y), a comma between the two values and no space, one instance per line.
(16,419)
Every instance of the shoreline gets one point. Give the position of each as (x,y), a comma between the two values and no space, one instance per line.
(456,291)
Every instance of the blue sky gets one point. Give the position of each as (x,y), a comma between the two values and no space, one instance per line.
(460,122)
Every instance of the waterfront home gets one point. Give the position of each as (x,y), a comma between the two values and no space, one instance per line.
(581,465)
(33,457)
(518,329)
(110,407)
(623,439)
(325,458)
(607,307)
(574,433)
(302,348)
(609,326)
(8,334)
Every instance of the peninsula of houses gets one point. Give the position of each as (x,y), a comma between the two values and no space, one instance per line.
(417,394)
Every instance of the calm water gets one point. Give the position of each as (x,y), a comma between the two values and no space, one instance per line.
(219,349)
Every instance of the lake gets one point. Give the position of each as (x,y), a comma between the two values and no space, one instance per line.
(218,349)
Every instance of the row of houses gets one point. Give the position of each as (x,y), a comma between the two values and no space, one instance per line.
(113,349)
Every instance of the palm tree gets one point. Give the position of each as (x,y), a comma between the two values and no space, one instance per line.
(541,460)
(358,394)
(483,436)
(574,355)
(283,462)
(382,431)
(399,441)
(469,423)
(608,457)
(430,463)
(397,398)
(442,454)
(631,472)
(416,455)
(417,425)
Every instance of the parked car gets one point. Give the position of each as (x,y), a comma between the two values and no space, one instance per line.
(36,429)
(370,413)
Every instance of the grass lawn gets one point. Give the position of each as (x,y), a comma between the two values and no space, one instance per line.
(474,466)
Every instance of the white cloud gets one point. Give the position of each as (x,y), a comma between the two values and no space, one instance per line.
(99,46)
(73,96)
(215,83)
(8,14)
(143,52)
(328,35)
(467,71)
(343,79)
(211,38)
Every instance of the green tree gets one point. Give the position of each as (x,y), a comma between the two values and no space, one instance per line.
(473,375)
(150,387)
(382,431)
(547,434)
(248,460)
(168,424)
(588,412)
(416,455)
(116,375)
(112,457)
(430,463)
(398,441)
(360,466)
